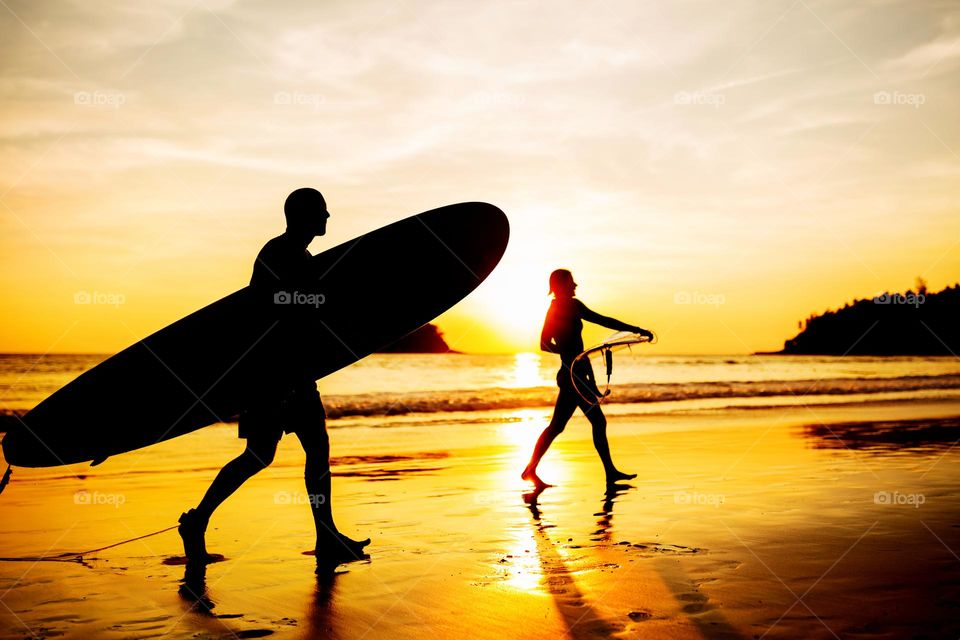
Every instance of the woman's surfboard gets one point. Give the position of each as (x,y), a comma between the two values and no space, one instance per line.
(253,346)
(613,342)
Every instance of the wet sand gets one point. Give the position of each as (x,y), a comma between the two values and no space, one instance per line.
(820,522)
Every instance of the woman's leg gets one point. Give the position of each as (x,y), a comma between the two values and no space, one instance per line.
(598,423)
(562,412)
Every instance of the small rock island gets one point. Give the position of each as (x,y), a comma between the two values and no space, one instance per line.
(426,339)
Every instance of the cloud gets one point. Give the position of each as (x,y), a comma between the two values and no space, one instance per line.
(939,55)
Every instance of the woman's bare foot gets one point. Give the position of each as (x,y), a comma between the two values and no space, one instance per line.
(531,475)
(192,529)
(617,476)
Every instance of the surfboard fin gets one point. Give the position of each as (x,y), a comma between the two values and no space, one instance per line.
(98,461)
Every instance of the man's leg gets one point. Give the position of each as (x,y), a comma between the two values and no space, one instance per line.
(332,546)
(562,412)
(193,524)
(256,457)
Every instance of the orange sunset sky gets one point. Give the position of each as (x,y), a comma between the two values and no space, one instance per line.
(761,160)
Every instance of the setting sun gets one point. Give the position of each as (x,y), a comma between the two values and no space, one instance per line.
(514,301)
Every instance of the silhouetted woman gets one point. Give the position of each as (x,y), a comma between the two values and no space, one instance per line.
(561,335)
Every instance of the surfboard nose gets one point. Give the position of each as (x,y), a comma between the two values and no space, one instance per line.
(8,448)
(22,447)
(13,447)
(499,224)
(481,249)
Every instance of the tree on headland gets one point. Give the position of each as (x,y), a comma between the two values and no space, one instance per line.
(915,322)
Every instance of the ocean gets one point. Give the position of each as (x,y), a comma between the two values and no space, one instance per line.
(384,386)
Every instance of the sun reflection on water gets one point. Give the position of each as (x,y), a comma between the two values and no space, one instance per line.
(526,371)
(524,570)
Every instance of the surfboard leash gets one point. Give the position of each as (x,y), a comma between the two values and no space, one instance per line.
(75,556)
(608,361)
(68,556)
(79,555)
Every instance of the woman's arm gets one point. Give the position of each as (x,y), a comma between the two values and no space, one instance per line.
(610,323)
(547,342)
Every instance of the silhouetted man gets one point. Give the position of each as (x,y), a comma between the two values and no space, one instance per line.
(283,265)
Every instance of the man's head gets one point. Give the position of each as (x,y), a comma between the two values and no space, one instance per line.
(306,212)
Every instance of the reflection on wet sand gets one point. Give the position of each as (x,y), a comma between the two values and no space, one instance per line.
(322,618)
(580,617)
(199,608)
(193,590)
(385,467)
(583,619)
(885,435)
(606,513)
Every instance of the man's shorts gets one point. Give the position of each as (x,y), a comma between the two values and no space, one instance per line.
(301,410)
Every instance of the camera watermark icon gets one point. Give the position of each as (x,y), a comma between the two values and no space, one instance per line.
(701,98)
(699,298)
(296,297)
(96,498)
(899,499)
(696,498)
(914,299)
(298,99)
(899,99)
(299,497)
(111,299)
(100,98)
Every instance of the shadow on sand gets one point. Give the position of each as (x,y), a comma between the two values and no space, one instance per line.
(582,618)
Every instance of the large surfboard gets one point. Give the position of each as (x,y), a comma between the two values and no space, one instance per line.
(253,346)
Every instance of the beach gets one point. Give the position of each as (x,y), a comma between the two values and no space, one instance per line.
(835,518)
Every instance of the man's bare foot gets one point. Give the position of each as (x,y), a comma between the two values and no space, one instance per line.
(617,476)
(337,548)
(192,529)
(531,475)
